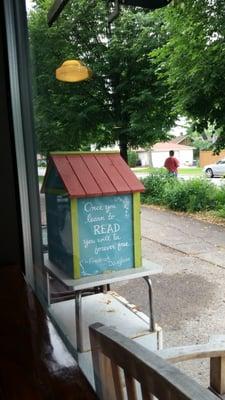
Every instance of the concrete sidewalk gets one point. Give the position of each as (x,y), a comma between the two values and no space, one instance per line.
(199,239)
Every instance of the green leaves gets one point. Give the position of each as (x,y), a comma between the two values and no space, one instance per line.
(192,61)
(124,92)
(192,195)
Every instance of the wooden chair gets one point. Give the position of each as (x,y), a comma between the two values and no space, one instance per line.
(214,351)
(123,369)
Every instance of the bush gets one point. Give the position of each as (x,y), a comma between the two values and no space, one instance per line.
(202,195)
(133,159)
(190,196)
(154,186)
(220,197)
(174,196)
(221,212)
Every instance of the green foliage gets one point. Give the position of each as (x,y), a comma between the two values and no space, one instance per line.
(221,212)
(174,197)
(124,101)
(189,196)
(132,159)
(220,197)
(192,195)
(192,61)
(154,186)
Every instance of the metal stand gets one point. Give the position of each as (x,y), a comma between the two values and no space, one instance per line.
(151,312)
(78,319)
(85,286)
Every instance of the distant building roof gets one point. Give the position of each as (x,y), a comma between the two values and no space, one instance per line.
(93,174)
(167,146)
(179,139)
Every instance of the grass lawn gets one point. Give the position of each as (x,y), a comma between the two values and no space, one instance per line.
(182,171)
(190,171)
(40,179)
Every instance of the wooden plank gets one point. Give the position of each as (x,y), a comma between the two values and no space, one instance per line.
(111,171)
(146,395)
(137,230)
(72,153)
(55,10)
(70,181)
(159,377)
(130,385)
(104,384)
(81,171)
(96,364)
(99,175)
(75,238)
(217,374)
(107,378)
(185,353)
(117,379)
(123,169)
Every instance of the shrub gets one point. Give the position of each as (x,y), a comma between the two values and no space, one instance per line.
(220,197)
(132,159)
(154,186)
(174,195)
(201,195)
(190,196)
(220,212)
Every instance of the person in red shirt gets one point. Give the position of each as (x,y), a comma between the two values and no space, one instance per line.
(171,164)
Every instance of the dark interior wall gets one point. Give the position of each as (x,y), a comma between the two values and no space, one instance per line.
(10,224)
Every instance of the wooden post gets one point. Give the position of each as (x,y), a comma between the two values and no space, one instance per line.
(217,374)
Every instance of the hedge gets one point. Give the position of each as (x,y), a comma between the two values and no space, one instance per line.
(192,195)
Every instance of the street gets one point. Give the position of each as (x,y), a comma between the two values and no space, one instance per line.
(189,296)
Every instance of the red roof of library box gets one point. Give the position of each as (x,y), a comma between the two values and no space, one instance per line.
(93,174)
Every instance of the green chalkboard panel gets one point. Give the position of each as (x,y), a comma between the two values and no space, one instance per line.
(105,234)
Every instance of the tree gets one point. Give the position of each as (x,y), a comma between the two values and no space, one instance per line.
(193,63)
(124,102)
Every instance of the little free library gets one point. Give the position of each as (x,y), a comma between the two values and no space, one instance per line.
(93,213)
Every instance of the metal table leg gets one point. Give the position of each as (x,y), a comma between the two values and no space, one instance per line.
(150,293)
(78,321)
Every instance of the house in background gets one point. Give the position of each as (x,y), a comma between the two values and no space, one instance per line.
(160,151)
(183,139)
(207,157)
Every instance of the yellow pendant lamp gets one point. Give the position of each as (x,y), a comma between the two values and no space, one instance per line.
(73,71)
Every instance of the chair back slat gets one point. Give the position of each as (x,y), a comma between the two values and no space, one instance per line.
(117,379)
(130,386)
(145,394)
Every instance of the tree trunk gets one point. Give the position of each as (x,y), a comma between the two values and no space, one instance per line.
(150,158)
(116,102)
(123,149)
